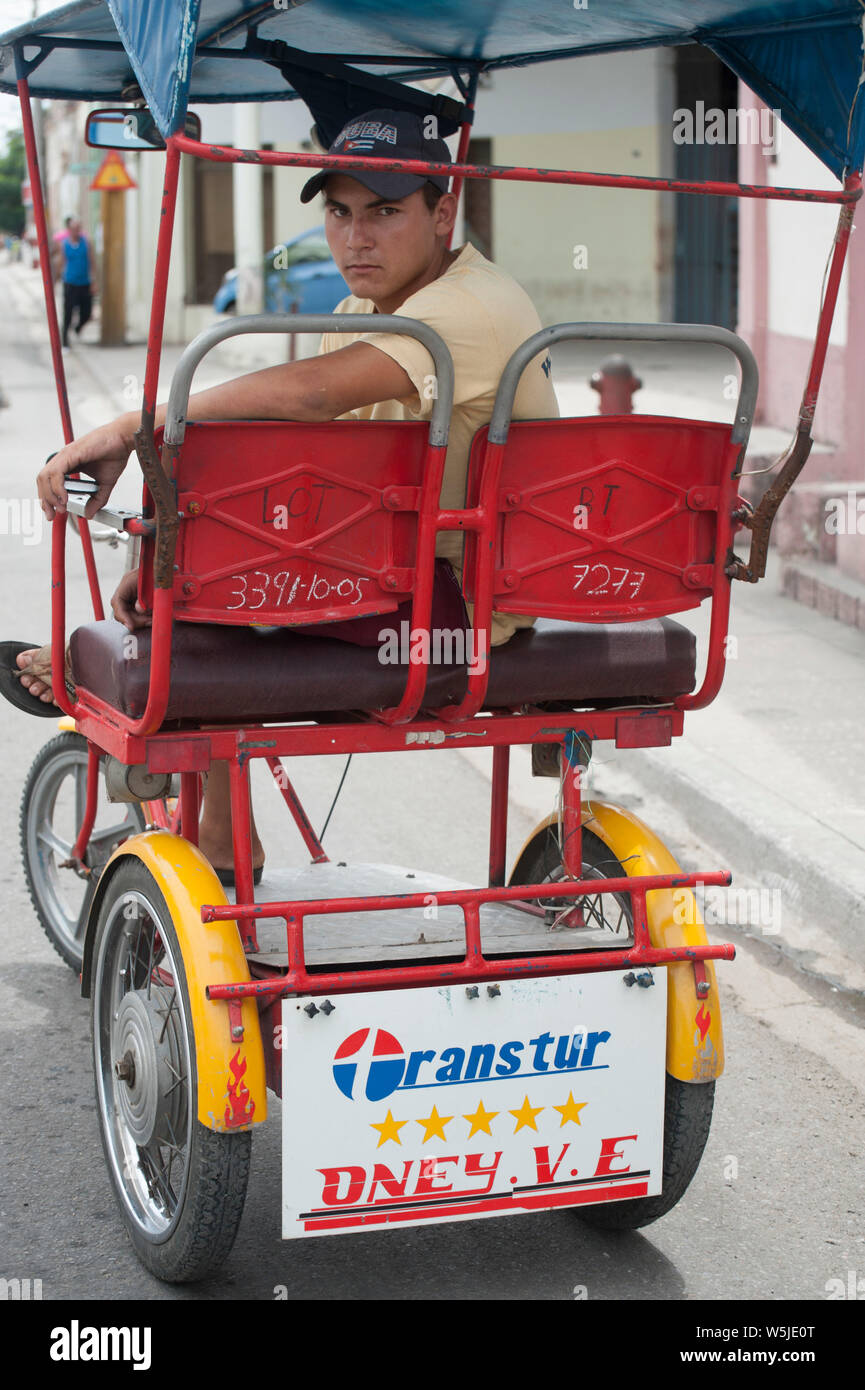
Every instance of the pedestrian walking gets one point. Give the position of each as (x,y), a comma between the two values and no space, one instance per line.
(74,261)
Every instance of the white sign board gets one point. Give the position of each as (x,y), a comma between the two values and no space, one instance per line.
(450,1103)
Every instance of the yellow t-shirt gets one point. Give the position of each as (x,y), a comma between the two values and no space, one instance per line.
(483,315)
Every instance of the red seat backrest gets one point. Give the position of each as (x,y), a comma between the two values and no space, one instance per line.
(287,523)
(606,519)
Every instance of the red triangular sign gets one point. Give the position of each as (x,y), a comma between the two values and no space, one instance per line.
(111,175)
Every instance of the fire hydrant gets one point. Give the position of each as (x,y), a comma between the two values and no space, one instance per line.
(615,382)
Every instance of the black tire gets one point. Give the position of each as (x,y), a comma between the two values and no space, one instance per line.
(687,1105)
(687,1117)
(180,1186)
(61,900)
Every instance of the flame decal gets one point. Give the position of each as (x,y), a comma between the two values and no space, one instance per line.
(240,1108)
(702,1020)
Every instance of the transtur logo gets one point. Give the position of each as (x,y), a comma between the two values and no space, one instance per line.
(384,1067)
(372,1063)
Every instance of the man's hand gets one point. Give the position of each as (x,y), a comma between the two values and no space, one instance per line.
(321,388)
(103,453)
(125,606)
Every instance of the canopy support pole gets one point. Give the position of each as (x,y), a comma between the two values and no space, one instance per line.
(32,154)
(471,88)
(759,522)
(160,485)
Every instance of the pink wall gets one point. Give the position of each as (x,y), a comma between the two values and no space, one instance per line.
(754,259)
(782,381)
(783,359)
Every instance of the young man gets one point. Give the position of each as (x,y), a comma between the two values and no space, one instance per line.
(388,233)
(74,260)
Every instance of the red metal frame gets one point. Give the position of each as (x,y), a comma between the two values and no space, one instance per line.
(228,155)
(299,816)
(57,363)
(193,750)
(411,702)
(827,308)
(474,966)
(190,752)
(335,503)
(651,491)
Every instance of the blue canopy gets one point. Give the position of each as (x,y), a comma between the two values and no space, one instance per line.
(804,58)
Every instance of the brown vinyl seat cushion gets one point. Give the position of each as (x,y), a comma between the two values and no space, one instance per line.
(231,674)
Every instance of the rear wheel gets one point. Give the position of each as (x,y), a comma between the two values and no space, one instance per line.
(687,1105)
(541,862)
(52,808)
(687,1117)
(180,1186)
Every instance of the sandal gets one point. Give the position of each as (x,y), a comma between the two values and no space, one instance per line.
(226,876)
(11,673)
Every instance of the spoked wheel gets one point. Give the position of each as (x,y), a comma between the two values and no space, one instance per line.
(180,1186)
(52,808)
(687,1105)
(542,863)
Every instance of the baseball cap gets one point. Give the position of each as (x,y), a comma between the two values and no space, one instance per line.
(385,135)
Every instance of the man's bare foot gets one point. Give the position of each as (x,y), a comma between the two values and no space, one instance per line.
(37,662)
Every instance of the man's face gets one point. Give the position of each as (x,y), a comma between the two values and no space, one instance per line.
(75,229)
(384,249)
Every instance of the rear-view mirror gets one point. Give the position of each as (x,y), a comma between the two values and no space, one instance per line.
(130,128)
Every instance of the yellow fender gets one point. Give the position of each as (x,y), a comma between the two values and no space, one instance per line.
(695,1040)
(232,1093)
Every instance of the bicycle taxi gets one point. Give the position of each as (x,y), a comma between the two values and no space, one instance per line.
(573,993)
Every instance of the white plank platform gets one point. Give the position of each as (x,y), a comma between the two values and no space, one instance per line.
(409,934)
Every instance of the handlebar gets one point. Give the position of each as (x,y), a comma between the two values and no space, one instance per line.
(178,397)
(636,332)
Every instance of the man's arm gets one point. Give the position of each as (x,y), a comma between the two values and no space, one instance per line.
(315,389)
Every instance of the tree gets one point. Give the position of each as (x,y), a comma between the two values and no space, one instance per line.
(13,171)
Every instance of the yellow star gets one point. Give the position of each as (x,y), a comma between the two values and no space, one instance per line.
(434,1125)
(525,1116)
(480,1120)
(570,1110)
(389,1129)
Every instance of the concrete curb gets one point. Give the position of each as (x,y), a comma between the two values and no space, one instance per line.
(772,846)
(707,822)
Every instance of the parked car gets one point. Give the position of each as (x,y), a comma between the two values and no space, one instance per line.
(300,276)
